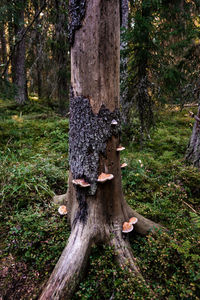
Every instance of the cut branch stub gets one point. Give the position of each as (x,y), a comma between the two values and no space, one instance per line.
(103,177)
(80,182)
(127,227)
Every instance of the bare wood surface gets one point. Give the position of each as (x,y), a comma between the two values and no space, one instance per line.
(70,266)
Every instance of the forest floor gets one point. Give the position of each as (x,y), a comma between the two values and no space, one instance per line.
(157,183)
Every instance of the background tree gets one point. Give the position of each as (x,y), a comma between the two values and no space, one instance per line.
(159,41)
(18,57)
(43,42)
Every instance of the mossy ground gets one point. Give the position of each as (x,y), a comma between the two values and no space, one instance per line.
(157,183)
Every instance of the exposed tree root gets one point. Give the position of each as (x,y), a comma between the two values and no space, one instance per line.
(144,225)
(70,266)
(123,251)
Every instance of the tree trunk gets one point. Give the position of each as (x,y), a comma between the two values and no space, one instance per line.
(144,101)
(123,62)
(38,50)
(62,58)
(193,150)
(18,60)
(3,47)
(97,212)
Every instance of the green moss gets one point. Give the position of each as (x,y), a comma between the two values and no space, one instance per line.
(37,235)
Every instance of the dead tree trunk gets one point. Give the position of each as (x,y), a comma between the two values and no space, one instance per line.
(193,150)
(96,212)
(18,60)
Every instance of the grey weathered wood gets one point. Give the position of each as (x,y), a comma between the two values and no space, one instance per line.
(193,150)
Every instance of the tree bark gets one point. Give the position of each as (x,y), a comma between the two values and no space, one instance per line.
(18,60)
(97,212)
(62,58)
(193,150)
(3,47)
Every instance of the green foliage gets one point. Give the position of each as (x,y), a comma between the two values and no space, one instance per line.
(7,90)
(105,280)
(34,156)
(170,265)
(37,235)
(34,167)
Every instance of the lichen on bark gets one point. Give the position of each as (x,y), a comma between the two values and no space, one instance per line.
(88,137)
(77,10)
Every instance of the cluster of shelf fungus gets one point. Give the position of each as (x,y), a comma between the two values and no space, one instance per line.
(103,177)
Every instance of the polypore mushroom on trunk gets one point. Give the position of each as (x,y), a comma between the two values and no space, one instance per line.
(120,148)
(103,177)
(133,220)
(124,165)
(80,182)
(127,227)
(62,210)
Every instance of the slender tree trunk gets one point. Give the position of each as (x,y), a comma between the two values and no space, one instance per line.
(144,101)
(123,62)
(38,50)
(18,60)
(193,149)
(96,212)
(61,55)
(3,46)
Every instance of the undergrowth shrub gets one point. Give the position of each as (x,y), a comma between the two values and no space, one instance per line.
(37,235)
(171,266)
(26,183)
(105,280)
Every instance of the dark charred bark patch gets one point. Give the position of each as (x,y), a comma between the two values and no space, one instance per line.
(88,138)
(82,212)
(77,9)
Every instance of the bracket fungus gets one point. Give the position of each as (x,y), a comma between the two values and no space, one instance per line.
(120,148)
(103,177)
(133,220)
(127,227)
(80,182)
(124,165)
(62,210)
